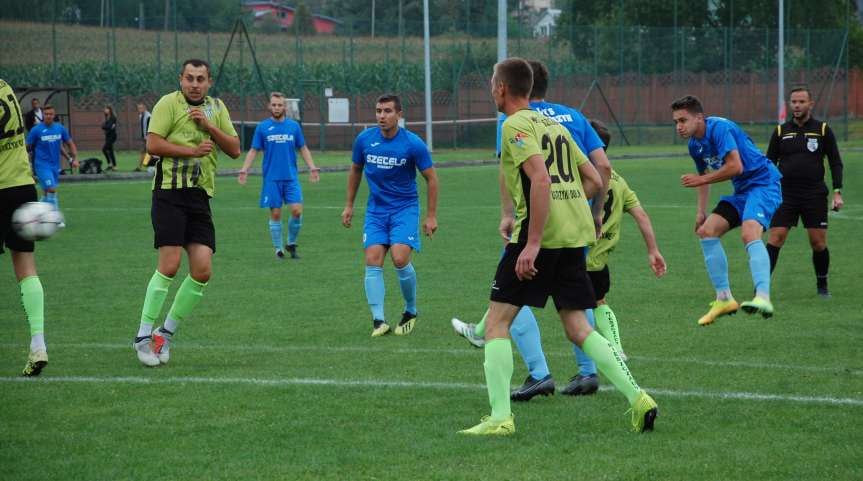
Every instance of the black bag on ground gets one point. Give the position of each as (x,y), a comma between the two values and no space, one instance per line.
(91,166)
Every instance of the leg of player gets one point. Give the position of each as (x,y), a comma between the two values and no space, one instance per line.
(759,266)
(820,259)
(525,333)
(775,240)
(586,382)
(644,409)
(276,230)
(294,225)
(717,268)
(606,324)
(154,299)
(401,255)
(498,372)
(474,333)
(33,299)
(375,289)
(188,296)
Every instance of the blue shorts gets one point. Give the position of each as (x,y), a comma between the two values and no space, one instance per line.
(758,203)
(394,227)
(275,193)
(48,176)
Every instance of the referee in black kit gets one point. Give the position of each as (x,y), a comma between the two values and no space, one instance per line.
(798,147)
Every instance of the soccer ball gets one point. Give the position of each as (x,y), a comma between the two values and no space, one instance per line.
(37,221)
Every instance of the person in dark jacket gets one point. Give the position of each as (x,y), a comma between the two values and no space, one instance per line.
(110,128)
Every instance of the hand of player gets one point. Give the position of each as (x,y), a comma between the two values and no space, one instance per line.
(507,224)
(347,216)
(430,226)
(597,225)
(524,266)
(75,163)
(244,174)
(691,180)
(699,219)
(657,263)
(314,175)
(203,148)
(837,202)
(200,118)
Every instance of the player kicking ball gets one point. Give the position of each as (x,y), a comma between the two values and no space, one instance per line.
(279,138)
(389,156)
(545,256)
(722,151)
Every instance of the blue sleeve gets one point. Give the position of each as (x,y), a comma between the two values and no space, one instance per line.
(357,153)
(32,136)
(258,138)
(700,165)
(500,120)
(591,138)
(299,140)
(421,155)
(64,134)
(722,138)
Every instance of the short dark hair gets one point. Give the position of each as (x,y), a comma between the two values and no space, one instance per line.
(516,74)
(602,131)
(194,62)
(801,88)
(689,103)
(397,102)
(540,79)
(47,107)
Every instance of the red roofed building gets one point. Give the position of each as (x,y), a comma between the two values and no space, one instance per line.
(285,15)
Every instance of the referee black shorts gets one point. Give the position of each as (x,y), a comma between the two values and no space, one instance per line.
(562,275)
(181,217)
(10,199)
(812,209)
(601,281)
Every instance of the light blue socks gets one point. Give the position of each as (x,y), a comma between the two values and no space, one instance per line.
(717,264)
(51,198)
(525,333)
(294,224)
(276,233)
(759,265)
(408,283)
(375,291)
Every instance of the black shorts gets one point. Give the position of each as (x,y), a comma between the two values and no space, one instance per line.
(601,281)
(812,209)
(562,275)
(181,217)
(10,200)
(728,212)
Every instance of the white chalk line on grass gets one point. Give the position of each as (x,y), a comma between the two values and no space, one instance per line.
(464,351)
(741,396)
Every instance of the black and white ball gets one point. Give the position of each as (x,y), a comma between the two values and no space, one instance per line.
(37,221)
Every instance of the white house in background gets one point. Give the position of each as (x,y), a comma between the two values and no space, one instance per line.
(544,27)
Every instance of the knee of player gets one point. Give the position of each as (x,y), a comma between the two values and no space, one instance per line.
(297,210)
(201,274)
(401,260)
(818,244)
(704,232)
(374,259)
(276,214)
(600,302)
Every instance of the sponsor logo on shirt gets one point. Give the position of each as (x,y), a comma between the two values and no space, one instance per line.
(50,137)
(280,138)
(713,162)
(549,112)
(375,144)
(518,140)
(384,162)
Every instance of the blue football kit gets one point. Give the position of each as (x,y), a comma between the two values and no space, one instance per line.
(279,140)
(46,141)
(390,166)
(757,190)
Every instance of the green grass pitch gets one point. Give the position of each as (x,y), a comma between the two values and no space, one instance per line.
(275,375)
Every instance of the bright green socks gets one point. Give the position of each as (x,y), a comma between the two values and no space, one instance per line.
(157,291)
(188,296)
(610,365)
(33,299)
(606,324)
(479,330)
(498,374)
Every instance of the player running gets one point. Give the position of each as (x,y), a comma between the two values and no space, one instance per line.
(390,156)
(17,188)
(45,140)
(722,151)
(545,256)
(184,130)
(280,137)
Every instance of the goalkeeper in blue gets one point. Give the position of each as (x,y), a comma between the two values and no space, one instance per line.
(280,138)
(390,156)
(722,151)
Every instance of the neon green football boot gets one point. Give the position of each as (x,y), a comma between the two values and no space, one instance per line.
(759,305)
(717,309)
(489,427)
(644,413)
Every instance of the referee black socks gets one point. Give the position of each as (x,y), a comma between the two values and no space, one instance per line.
(773,253)
(821,261)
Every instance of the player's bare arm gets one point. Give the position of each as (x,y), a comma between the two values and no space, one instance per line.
(354,178)
(600,160)
(837,203)
(654,257)
(247,164)
(314,171)
(591,180)
(430,224)
(229,144)
(73,152)
(507,210)
(732,167)
(702,196)
(540,196)
(160,147)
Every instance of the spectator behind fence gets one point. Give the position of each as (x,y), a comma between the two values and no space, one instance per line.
(143,124)
(34,116)
(110,128)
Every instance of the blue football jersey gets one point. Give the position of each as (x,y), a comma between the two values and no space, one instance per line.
(722,137)
(390,166)
(279,141)
(46,142)
(574,121)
